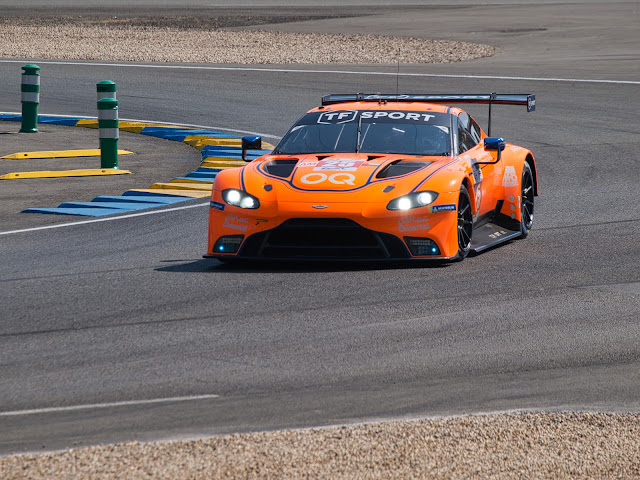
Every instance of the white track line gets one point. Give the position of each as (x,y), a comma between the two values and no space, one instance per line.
(338,72)
(190,125)
(93,406)
(96,220)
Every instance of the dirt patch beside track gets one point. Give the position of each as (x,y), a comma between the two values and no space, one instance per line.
(526,445)
(203,40)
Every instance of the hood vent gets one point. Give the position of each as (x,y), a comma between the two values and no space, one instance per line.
(282,167)
(401,167)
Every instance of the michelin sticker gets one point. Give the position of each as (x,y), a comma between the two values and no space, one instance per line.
(510,178)
(443,208)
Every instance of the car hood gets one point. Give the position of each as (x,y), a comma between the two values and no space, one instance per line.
(338,171)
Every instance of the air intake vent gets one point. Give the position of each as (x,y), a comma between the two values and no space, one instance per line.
(328,238)
(401,167)
(281,167)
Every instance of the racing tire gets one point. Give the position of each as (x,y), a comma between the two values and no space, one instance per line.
(526,201)
(465,224)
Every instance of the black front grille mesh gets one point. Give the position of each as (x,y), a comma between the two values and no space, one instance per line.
(333,238)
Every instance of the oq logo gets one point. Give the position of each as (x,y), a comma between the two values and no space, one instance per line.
(344,116)
(336,178)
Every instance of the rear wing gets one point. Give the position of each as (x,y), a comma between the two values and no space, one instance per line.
(527,99)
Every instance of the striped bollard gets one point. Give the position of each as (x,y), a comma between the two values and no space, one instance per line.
(106,89)
(108,132)
(30,98)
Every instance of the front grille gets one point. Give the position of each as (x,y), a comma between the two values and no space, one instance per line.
(332,238)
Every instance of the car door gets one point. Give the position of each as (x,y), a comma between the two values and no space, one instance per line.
(485,175)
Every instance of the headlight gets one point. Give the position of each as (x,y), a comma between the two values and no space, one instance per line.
(413,200)
(238,198)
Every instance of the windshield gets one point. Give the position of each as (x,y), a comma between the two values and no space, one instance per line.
(401,132)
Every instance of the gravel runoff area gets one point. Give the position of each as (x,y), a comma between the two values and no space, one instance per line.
(518,445)
(161,44)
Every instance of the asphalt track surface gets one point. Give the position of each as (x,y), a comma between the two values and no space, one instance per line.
(112,317)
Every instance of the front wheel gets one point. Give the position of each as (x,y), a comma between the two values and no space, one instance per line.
(465,223)
(526,200)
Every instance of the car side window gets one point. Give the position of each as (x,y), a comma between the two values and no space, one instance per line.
(466,140)
(474,129)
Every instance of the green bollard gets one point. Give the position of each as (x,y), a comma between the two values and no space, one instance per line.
(108,132)
(106,89)
(30,98)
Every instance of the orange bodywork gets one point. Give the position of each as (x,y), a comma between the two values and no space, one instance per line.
(344,191)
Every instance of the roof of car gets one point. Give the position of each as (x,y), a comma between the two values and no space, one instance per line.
(386,105)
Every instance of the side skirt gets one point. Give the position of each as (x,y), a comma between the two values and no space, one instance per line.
(489,235)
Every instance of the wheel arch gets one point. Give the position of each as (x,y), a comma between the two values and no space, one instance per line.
(532,163)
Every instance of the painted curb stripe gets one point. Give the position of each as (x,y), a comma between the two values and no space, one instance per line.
(87,212)
(94,152)
(143,199)
(182,193)
(87,172)
(182,186)
(196,180)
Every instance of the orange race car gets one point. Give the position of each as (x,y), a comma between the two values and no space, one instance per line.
(377,177)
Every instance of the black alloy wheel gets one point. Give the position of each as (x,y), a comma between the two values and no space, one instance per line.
(465,223)
(526,200)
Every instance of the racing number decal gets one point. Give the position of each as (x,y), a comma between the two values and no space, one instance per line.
(336,178)
(338,165)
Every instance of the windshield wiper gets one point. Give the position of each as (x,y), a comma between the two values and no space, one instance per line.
(359,131)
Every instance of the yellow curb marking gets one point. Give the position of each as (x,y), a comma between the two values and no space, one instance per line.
(182,186)
(86,172)
(94,152)
(182,193)
(191,180)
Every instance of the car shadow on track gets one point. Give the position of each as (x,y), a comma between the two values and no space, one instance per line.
(210,265)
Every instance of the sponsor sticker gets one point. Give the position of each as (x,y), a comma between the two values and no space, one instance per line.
(412,223)
(217,206)
(498,234)
(336,178)
(450,207)
(531,103)
(235,222)
(343,116)
(412,116)
(510,178)
(338,165)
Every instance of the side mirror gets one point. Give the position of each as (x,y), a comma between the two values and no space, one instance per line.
(251,142)
(496,144)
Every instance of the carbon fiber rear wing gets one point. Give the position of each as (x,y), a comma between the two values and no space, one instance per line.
(527,99)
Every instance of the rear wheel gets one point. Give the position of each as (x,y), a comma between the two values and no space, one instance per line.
(526,200)
(465,223)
